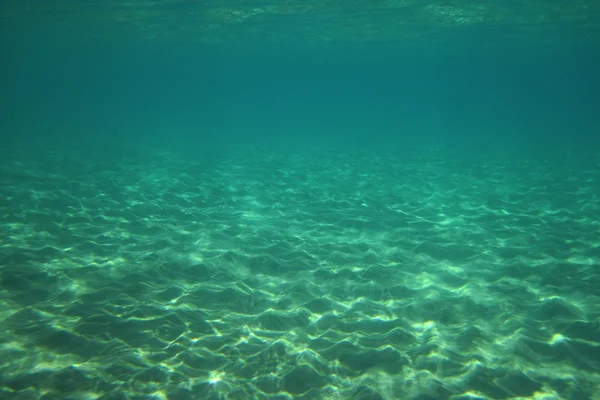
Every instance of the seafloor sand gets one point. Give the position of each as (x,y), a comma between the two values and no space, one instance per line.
(271,276)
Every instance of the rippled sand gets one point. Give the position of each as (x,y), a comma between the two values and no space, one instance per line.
(262,275)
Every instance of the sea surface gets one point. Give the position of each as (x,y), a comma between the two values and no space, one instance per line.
(240,200)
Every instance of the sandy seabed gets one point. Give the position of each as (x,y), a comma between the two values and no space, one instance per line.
(261,275)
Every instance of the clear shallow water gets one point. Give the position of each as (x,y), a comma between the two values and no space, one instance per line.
(230,199)
(259,274)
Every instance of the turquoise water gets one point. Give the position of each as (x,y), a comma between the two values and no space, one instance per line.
(300,200)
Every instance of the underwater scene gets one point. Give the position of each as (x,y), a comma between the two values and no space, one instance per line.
(278,199)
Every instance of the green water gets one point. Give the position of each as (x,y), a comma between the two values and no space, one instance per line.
(299,200)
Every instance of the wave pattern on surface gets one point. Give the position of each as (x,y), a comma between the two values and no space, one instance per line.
(265,276)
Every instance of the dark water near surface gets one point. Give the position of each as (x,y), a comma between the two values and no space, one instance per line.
(236,200)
